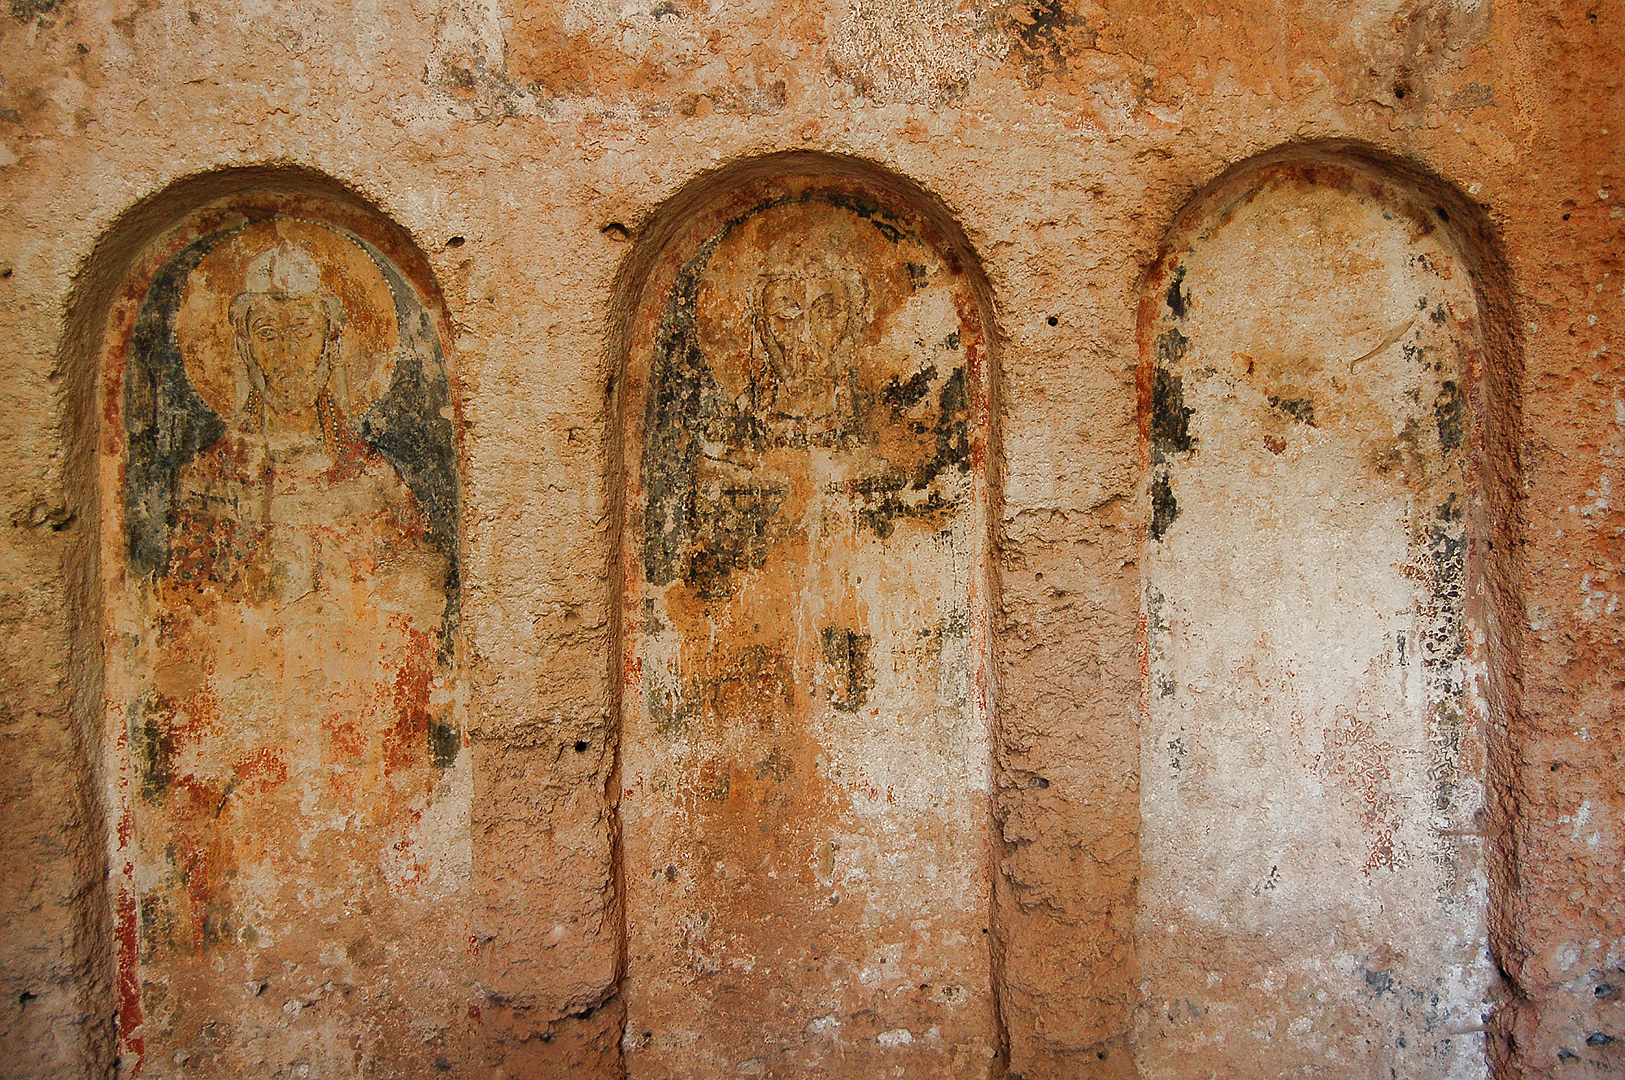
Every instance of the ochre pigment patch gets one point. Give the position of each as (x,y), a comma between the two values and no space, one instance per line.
(1313,753)
(805,745)
(285,591)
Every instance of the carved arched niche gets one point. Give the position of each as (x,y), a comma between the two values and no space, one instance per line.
(277,474)
(804,762)
(1326,425)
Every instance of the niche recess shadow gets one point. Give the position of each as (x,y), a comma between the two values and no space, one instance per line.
(804,377)
(1243,374)
(113,279)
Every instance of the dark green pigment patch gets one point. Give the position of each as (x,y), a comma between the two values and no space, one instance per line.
(737,529)
(1443,643)
(952,433)
(445,741)
(1178,300)
(757,686)
(27,10)
(669,714)
(166,421)
(1449,412)
(158,924)
(883,500)
(163,930)
(1171,346)
(847,653)
(1300,409)
(1046,34)
(410,425)
(1154,602)
(891,227)
(1445,727)
(152,747)
(884,506)
(1170,419)
(900,394)
(1163,507)
(1379,982)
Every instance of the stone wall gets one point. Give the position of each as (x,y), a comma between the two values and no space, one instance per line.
(1070,528)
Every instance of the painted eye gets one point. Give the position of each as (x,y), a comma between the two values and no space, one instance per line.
(266,332)
(827,306)
(785,308)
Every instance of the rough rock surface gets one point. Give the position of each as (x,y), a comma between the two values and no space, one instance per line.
(530,157)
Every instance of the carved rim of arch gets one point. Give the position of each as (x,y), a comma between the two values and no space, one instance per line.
(710,201)
(1429,202)
(1494,376)
(94,348)
(668,243)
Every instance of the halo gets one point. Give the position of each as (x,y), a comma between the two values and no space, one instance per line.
(363,361)
(808,232)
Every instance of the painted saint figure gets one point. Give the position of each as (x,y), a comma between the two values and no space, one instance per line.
(802,598)
(807,319)
(293,725)
(284,327)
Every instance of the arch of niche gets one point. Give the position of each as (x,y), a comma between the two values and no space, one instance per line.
(1328,406)
(804,763)
(267,430)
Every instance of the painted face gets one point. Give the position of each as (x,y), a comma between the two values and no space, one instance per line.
(805,321)
(285,339)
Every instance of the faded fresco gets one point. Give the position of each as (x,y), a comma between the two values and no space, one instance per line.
(1313,750)
(296,795)
(804,762)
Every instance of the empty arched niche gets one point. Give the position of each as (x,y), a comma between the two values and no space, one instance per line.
(804,759)
(279,550)
(1314,779)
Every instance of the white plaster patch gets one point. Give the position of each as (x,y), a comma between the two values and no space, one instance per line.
(1311,738)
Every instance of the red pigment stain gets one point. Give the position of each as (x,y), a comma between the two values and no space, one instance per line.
(349,736)
(195,872)
(407,739)
(129,976)
(970,320)
(194,715)
(344,787)
(1150,302)
(191,798)
(261,770)
(1361,762)
(350,461)
(116,361)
